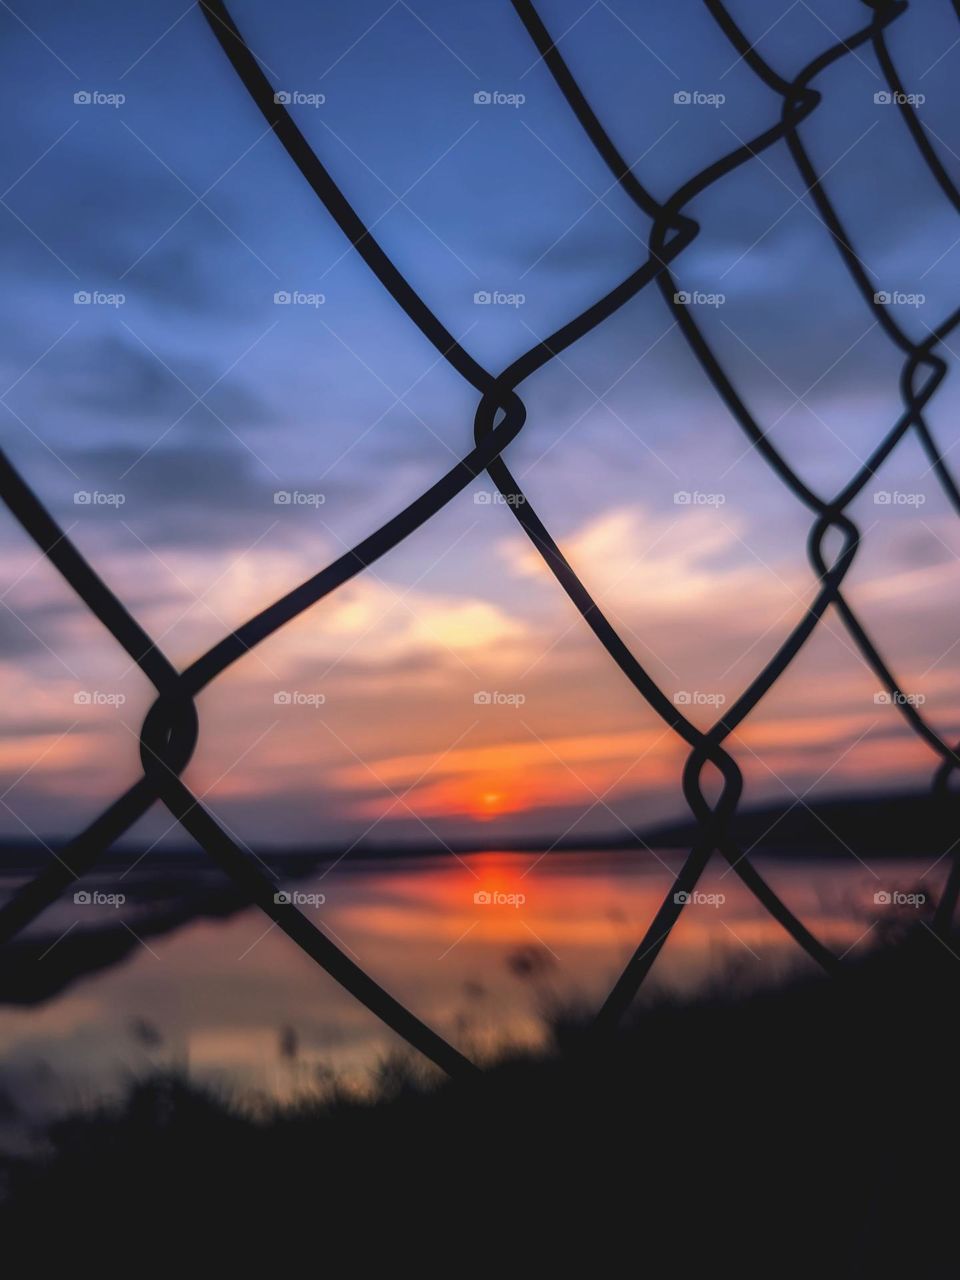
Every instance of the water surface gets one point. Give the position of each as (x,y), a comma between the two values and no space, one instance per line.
(235,1002)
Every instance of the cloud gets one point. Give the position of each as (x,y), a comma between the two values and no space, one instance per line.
(376,625)
(671,565)
(120,377)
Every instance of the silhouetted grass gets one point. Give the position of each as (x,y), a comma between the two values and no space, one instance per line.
(803,1131)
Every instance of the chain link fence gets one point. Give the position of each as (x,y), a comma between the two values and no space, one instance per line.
(170,729)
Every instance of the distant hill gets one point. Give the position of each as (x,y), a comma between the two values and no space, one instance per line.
(907,823)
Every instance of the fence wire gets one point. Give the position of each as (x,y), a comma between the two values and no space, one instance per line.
(170,729)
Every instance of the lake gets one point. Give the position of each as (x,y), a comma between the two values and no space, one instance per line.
(480,947)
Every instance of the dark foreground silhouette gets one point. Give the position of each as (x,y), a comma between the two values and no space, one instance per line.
(808,1131)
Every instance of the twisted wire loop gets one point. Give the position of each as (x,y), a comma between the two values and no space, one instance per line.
(171,727)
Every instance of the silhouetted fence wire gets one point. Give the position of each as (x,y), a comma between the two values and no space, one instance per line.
(170,729)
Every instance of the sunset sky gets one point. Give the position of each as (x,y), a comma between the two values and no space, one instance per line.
(199,398)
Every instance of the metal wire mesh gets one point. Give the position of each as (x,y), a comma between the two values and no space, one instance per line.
(170,729)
